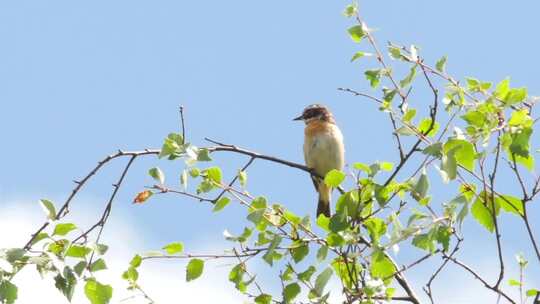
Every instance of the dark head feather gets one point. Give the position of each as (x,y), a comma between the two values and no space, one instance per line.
(316,112)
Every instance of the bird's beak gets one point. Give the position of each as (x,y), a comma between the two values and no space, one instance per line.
(301,117)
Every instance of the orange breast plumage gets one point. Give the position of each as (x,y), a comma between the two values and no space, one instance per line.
(317,127)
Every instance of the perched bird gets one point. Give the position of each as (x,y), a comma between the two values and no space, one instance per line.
(323,150)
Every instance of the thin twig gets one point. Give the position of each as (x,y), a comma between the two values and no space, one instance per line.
(183,125)
(64,210)
(479,278)
(107,210)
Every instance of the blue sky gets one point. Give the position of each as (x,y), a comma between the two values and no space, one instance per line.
(80,80)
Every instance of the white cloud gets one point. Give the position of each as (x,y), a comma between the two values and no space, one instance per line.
(162,280)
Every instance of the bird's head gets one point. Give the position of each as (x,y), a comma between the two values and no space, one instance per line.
(316,112)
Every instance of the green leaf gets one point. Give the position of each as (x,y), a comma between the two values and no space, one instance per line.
(405,131)
(395,52)
(323,222)
(80,267)
(236,274)
(49,209)
(8,292)
(424,241)
(101,248)
(263,299)
(359,55)
(382,194)
(287,275)
(58,247)
(97,293)
(464,152)
(63,229)
(449,164)
(194,269)
(513,282)
(322,280)
(520,142)
(221,203)
(203,155)
(338,222)
(259,202)
(174,247)
(241,238)
(39,237)
(475,118)
(131,275)
(532,292)
(173,146)
(66,283)
(357,33)
(405,82)
(350,10)
(482,211)
(441,64)
(214,174)
(362,167)
(442,235)
(299,253)
(157,174)
(386,166)
(194,172)
(510,204)
(305,276)
(374,77)
(322,253)
(291,217)
(184,179)
(136,261)
(376,228)
(98,265)
(269,255)
(527,162)
(334,178)
(424,126)
(435,149)
(205,186)
(520,118)
(502,89)
(13,255)
(77,251)
(334,240)
(381,266)
(515,95)
(388,97)
(256,216)
(409,115)
(421,187)
(242,177)
(475,85)
(290,292)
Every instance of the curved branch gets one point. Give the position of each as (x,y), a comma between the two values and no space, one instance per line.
(479,278)
(64,210)
(232,148)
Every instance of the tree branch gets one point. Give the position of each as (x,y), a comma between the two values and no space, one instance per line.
(64,210)
(479,278)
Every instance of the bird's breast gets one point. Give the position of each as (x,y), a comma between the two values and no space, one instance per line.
(323,147)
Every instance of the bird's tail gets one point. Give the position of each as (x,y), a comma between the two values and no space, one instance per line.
(323,207)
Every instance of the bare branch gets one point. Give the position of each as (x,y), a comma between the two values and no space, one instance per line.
(183,125)
(479,278)
(64,210)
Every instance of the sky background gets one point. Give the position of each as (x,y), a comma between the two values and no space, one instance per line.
(79,80)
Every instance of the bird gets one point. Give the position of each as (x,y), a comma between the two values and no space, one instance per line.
(323,150)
